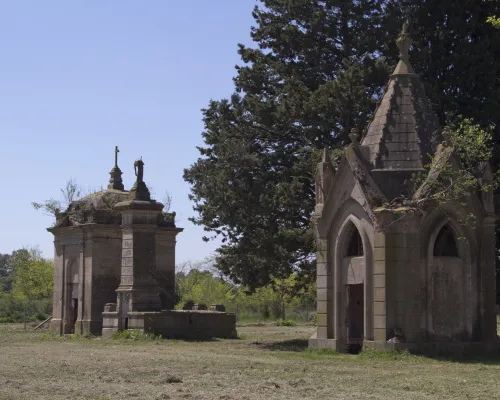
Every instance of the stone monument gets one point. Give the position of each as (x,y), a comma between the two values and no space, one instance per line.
(115,252)
(87,244)
(139,302)
(389,277)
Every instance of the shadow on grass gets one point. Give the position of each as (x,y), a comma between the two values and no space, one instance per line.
(297,345)
(300,346)
(487,359)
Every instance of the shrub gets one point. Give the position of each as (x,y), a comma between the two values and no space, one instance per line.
(285,322)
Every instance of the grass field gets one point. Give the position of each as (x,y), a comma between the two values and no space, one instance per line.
(267,362)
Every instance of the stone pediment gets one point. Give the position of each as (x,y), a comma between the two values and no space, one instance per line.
(352,180)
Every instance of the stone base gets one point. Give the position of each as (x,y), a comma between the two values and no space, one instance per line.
(58,327)
(322,343)
(176,324)
(426,348)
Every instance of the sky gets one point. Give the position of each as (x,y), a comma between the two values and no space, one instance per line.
(80,77)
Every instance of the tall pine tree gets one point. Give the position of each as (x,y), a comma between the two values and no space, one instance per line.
(311,80)
(316,73)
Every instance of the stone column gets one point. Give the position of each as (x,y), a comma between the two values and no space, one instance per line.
(81,290)
(379,287)
(57,305)
(138,289)
(324,276)
(165,265)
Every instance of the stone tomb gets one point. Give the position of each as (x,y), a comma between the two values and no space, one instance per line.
(390,277)
(114,268)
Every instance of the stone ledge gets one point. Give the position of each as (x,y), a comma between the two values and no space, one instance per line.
(316,343)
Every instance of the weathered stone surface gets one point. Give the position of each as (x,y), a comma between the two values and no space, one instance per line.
(422,281)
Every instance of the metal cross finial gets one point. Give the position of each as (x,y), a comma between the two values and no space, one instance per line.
(116,156)
(404,42)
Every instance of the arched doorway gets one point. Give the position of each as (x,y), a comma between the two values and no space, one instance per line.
(354,281)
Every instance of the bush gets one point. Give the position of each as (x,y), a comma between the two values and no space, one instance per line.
(41,316)
(285,322)
(12,309)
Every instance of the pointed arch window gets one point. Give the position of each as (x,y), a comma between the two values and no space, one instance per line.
(446,245)
(355,244)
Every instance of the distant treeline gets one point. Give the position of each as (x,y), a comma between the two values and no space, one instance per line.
(27,281)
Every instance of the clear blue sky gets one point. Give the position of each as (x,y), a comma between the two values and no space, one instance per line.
(79,77)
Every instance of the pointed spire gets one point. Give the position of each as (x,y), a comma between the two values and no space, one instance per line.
(404,42)
(115,181)
(400,133)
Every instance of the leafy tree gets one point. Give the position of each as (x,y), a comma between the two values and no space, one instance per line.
(202,287)
(313,77)
(5,273)
(8,264)
(493,19)
(33,278)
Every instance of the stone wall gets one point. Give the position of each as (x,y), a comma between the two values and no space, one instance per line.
(179,324)
(165,265)
(190,324)
(86,264)
(67,249)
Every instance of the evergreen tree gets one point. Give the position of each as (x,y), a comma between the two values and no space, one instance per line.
(457,52)
(311,80)
(317,71)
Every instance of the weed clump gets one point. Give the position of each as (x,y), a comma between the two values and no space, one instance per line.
(285,322)
(135,335)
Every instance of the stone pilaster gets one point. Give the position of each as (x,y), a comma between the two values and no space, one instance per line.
(165,265)
(138,289)
(324,289)
(57,303)
(379,288)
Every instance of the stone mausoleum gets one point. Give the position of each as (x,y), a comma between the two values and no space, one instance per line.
(114,267)
(389,277)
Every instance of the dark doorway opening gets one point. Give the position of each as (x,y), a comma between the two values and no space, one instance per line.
(355,318)
(74,314)
(445,245)
(355,246)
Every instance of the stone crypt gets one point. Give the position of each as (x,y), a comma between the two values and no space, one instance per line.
(114,267)
(389,278)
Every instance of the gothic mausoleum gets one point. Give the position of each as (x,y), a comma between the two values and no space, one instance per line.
(388,277)
(114,267)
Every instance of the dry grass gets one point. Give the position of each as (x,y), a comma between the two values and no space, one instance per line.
(268,363)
